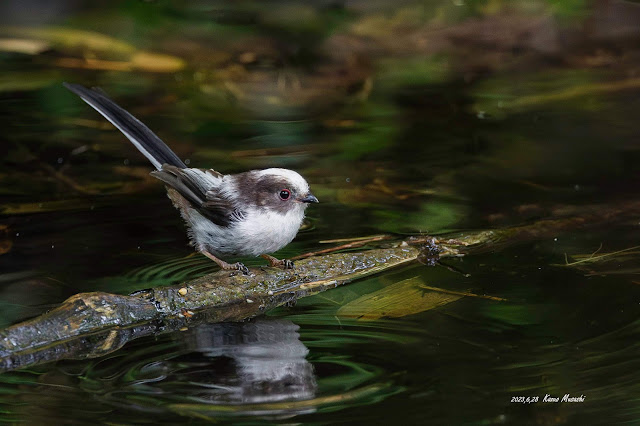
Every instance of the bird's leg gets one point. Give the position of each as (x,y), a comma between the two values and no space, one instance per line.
(279,263)
(227,266)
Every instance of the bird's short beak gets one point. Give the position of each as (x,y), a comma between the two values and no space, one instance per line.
(309,198)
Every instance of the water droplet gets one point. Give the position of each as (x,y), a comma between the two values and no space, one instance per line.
(126,161)
(187,161)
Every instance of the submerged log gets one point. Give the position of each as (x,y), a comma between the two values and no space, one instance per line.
(89,325)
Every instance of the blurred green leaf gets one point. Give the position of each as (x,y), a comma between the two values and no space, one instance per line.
(396,300)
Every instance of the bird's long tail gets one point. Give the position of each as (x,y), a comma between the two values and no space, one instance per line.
(140,135)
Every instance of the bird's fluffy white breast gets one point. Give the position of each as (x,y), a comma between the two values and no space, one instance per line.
(266,231)
(260,231)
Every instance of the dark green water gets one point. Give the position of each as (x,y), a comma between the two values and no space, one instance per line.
(405,118)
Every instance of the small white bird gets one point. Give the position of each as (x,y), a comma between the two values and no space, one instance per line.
(251,213)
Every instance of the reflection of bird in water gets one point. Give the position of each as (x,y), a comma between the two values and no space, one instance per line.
(265,361)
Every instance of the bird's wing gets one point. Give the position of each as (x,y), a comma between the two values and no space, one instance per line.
(200,189)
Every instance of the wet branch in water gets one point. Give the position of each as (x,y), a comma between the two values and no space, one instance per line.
(93,324)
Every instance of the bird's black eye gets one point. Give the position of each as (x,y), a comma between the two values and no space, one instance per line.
(284,194)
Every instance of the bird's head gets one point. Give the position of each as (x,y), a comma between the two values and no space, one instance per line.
(281,190)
